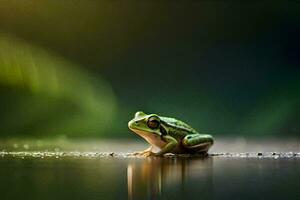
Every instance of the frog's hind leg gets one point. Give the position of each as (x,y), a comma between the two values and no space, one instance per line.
(197,143)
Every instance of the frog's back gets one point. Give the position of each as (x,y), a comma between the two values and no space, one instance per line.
(176,125)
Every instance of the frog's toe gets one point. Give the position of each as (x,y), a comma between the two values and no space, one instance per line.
(137,153)
(141,153)
(148,154)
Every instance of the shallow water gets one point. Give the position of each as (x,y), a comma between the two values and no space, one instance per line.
(122,177)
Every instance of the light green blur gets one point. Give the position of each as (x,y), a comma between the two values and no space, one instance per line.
(51,95)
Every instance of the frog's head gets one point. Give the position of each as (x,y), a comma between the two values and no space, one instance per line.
(145,125)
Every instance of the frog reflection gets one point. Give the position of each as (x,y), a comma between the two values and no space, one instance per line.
(151,178)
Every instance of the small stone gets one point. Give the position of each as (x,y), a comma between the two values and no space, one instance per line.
(112,154)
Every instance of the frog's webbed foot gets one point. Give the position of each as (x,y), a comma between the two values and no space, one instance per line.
(144,153)
(136,153)
(147,152)
(139,153)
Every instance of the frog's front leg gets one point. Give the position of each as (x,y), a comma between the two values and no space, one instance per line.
(141,153)
(171,143)
(198,142)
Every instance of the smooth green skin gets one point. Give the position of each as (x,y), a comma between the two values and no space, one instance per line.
(171,136)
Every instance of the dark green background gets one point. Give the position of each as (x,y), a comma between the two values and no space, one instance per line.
(226,68)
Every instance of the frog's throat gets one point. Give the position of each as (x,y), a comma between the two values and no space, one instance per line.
(152,139)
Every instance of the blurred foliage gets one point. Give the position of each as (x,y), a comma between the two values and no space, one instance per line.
(44,94)
(226,68)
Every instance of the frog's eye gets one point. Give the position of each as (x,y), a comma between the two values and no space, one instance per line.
(153,122)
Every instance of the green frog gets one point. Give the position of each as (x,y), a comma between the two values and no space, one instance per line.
(168,135)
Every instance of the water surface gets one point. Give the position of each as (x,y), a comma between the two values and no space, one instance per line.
(121,177)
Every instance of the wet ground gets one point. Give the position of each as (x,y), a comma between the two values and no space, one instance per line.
(64,169)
